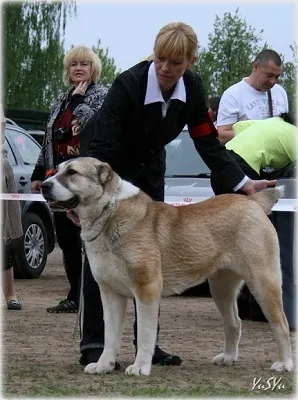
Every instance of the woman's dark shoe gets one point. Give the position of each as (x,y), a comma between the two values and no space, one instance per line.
(92,355)
(14,305)
(65,306)
(163,358)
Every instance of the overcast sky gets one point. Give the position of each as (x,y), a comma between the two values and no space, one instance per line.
(128,29)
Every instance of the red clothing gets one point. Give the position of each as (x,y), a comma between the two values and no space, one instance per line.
(70,146)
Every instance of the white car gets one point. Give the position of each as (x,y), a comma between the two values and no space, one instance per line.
(188,177)
(188,181)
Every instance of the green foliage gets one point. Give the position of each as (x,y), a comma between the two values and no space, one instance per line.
(289,78)
(203,66)
(231,49)
(33,49)
(109,72)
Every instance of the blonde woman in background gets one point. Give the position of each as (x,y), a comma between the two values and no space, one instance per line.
(69,114)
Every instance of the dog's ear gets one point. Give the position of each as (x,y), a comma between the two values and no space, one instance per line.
(105,172)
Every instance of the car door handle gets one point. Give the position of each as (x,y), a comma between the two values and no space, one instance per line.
(23,181)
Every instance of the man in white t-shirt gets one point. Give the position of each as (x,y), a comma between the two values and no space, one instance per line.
(248,99)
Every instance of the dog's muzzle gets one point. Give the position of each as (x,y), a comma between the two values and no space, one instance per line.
(56,205)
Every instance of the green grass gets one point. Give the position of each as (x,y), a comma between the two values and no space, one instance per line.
(34,381)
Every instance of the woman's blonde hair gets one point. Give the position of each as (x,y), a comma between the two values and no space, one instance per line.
(176,39)
(82,53)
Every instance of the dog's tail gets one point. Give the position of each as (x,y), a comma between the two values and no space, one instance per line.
(268,197)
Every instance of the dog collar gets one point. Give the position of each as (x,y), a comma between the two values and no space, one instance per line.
(110,211)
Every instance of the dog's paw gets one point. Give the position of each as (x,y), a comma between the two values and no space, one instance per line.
(137,370)
(282,366)
(90,368)
(224,359)
(99,368)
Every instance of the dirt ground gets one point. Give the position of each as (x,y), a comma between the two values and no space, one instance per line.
(40,355)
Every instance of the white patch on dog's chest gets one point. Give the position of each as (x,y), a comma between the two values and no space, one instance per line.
(107,268)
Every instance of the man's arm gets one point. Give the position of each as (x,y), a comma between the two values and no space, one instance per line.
(225,133)
(228,114)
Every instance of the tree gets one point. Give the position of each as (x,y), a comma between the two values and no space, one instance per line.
(34,50)
(203,66)
(289,78)
(231,49)
(109,72)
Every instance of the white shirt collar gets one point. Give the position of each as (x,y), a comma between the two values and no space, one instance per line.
(153,92)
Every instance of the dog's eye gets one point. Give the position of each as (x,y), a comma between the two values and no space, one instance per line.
(71,172)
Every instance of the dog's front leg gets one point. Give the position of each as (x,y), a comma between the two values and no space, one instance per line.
(114,309)
(147,317)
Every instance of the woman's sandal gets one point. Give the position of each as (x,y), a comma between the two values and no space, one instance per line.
(65,306)
(14,305)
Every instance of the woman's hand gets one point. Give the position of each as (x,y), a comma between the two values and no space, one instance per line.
(81,88)
(35,186)
(252,186)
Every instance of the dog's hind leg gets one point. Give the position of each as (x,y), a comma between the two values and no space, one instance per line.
(224,287)
(267,291)
(147,316)
(114,308)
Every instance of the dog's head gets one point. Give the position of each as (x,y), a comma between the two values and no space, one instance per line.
(78,182)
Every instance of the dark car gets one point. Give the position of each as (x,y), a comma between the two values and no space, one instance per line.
(39,234)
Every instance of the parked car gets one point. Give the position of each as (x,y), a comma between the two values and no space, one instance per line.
(39,234)
(188,181)
(36,134)
(188,177)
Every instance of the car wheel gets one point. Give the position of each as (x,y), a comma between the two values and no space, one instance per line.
(31,256)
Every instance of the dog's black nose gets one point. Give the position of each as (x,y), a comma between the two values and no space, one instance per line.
(45,188)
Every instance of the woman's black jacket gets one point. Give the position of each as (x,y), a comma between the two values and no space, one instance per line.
(131,136)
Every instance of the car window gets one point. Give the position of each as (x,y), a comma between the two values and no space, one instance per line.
(27,147)
(183,158)
(37,135)
(11,158)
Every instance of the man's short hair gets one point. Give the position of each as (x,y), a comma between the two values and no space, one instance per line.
(268,55)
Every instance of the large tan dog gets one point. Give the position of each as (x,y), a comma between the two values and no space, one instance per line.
(145,249)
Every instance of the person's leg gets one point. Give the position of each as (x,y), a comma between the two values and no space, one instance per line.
(284,225)
(92,329)
(69,240)
(93,326)
(8,283)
